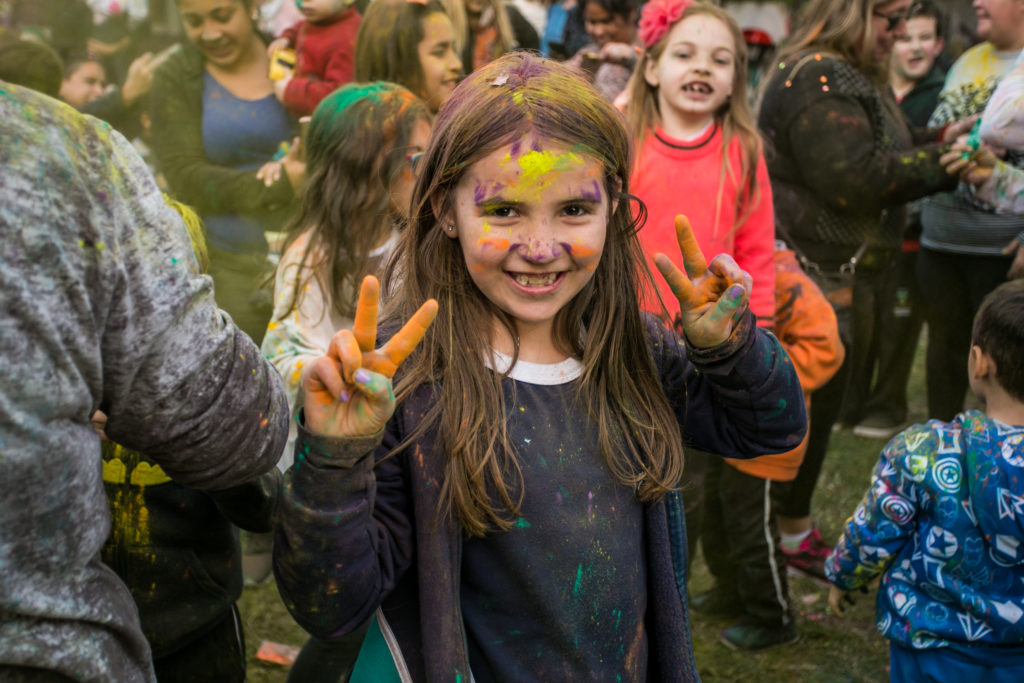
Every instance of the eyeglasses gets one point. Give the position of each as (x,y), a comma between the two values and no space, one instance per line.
(414,158)
(892,21)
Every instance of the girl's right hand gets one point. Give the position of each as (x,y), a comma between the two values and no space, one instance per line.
(348,392)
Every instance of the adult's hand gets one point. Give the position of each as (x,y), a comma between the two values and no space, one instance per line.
(711,296)
(958,128)
(348,392)
(140,78)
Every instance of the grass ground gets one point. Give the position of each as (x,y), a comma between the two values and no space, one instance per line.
(830,649)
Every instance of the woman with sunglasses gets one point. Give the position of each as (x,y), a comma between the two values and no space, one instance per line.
(843,163)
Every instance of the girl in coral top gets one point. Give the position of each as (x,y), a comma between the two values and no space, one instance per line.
(699,149)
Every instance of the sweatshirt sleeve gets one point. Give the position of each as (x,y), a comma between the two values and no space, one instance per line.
(295,335)
(304,93)
(1002,124)
(181,383)
(740,399)
(882,524)
(344,531)
(1004,189)
(833,145)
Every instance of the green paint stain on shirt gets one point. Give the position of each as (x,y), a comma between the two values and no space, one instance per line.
(579,577)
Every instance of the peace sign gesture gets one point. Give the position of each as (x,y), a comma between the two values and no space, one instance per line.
(711,296)
(348,392)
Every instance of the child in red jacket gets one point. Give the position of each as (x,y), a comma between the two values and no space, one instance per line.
(324,46)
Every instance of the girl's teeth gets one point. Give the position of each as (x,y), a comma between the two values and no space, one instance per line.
(535,280)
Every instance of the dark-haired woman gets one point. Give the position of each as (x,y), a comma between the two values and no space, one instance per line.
(216,123)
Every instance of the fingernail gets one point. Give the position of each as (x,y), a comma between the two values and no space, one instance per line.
(344,397)
(361,376)
(735,292)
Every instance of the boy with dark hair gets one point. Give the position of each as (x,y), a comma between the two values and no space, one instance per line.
(943,522)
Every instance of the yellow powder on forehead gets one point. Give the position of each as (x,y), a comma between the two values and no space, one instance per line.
(539,167)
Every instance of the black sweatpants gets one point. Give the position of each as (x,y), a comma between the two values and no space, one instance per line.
(740,542)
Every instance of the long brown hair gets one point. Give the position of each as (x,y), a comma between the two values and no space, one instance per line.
(734,116)
(355,150)
(387,44)
(514,96)
(839,28)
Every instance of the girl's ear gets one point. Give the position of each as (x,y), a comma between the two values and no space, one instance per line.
(443,218)
(651,71)
(616,191)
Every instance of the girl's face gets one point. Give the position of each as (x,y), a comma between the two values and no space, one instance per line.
(401,188)
(531,219)
(695,73)
(221,29)
(604,27)
(441,66)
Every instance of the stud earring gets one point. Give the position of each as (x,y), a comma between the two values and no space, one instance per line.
(450,227)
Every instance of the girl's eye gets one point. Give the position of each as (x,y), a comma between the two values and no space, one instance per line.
(223,16)
(576,210)
(193,21)
(501,212)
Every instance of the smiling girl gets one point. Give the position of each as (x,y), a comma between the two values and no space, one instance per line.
(700,152)
(412,44)
(517,516)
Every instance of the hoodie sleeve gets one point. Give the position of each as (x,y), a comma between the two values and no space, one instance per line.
(885,519)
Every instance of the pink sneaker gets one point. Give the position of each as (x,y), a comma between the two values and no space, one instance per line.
(809,559)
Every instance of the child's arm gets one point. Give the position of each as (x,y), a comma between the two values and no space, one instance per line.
(296,335)
(733,387)
(885,519)
(1002,124)
(343,533)
(303,94)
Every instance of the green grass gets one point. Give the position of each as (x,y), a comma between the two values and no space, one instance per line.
(830,649)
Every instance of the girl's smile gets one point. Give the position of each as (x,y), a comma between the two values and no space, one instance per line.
(531,219)
(694,75)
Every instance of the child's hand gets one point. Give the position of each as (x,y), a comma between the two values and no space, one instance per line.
(277,44)
(836,598)
(973,166)
(711,297)
(348,391)
(282,85)
(619,53)
(269,172)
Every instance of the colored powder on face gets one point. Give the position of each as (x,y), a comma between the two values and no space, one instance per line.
(539,166)
(494,243)
(593,195)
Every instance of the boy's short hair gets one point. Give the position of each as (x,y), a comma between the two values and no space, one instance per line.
(999,332)
(927,8)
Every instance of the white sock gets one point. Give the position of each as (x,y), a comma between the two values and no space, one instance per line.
(793,541)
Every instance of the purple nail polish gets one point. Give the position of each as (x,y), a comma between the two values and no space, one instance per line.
(344,397)
(361,376)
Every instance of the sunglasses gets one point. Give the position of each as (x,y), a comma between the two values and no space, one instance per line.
(892,21)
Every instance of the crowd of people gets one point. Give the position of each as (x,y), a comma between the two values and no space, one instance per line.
(474,320)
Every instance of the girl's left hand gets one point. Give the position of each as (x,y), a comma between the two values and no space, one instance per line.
(711,296)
